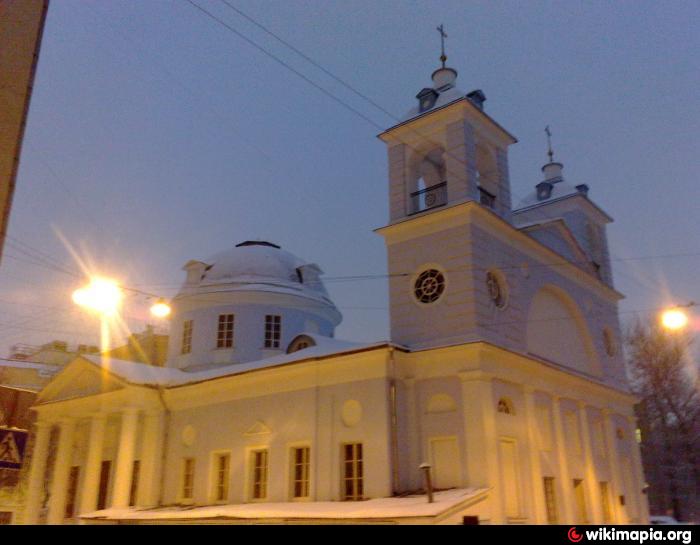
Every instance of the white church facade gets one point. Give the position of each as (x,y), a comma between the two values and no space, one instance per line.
(504,371)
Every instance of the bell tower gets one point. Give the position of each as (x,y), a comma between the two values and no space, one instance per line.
(445,157)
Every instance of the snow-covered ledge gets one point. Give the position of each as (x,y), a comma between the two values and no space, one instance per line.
(449,507)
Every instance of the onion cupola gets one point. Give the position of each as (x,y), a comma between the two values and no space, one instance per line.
(247,303)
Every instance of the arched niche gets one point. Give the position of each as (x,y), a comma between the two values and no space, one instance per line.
(557,331)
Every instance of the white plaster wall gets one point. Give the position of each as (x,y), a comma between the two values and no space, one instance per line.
(309,416)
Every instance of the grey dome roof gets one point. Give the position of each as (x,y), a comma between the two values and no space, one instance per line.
(262,266)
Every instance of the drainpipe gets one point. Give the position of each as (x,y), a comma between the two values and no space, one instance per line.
(393,407)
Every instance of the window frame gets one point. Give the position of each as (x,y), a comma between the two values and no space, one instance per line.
(550,493)
(184,498)
(186,341)
(291,466)
(103,486)
(357,476)
(72,488)
(225,331)
(273,331)
(251,474)
(605,502)
(214,474)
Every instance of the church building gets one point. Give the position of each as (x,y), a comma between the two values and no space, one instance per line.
(503,380)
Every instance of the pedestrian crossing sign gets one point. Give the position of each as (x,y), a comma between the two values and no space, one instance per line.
(12,443)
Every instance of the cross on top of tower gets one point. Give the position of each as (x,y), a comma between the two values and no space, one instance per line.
(549,144)
(443,35)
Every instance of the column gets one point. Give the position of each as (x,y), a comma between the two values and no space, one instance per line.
(616,487)
(481,439)
(539,510)
(566,482)
(149,479)
(93,464)
(591,475)
(37,472)
(125,458)
(61,471)
(642,498)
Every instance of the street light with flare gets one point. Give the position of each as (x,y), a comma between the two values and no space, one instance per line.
(101,295)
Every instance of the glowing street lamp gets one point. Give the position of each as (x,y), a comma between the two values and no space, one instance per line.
(160,308)
(102,295)
(674,319)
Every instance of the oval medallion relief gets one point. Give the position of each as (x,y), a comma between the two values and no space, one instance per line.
(351,413)
(189,434)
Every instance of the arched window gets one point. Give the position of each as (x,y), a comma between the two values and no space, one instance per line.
(505,406)
(299,343)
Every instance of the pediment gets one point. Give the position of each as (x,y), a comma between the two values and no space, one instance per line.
(556,236)
(80,378)
(259,428)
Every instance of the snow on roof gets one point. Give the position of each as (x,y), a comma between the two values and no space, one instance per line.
(379,508)
(259,266)
(560,190)
(20,364)
(143,374)
(444,98)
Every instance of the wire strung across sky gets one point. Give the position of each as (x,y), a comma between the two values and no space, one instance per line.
(37,258)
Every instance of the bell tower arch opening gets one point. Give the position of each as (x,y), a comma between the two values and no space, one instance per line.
(427,180)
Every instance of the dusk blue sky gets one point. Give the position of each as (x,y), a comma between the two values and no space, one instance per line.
(156,136)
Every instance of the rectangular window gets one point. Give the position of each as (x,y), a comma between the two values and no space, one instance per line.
(187,478)
(134,482)
(605,502)
(72,491)
(222,465)
(273,328)
(186,337)
(352,486)
(550,500)
(105,470)
(300,472)
(580,495)
(259,474)
(224,338)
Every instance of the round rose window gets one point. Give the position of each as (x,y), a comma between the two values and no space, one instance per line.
(429,286)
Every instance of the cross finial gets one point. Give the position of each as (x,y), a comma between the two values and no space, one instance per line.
(441,30)
(549,144)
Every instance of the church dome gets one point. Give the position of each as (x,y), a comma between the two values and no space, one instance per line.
(245,304)
(262,266)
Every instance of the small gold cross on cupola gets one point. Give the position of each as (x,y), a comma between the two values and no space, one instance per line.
(443,35)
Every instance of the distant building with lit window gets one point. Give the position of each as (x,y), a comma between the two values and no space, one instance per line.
(503,372)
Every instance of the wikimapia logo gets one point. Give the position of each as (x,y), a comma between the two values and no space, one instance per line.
(636,536)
